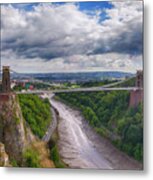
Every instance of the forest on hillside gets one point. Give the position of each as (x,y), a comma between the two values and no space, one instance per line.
(110,116)
(36,112)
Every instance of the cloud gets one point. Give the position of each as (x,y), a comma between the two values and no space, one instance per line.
(51,33)
(47,32)
(125,25)
(77,63)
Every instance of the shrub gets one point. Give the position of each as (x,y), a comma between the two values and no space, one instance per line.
(31,158)
(56,157)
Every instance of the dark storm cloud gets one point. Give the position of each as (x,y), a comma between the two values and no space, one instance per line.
(131,40)
(128,40)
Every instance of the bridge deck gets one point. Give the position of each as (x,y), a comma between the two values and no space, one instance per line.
(81,90)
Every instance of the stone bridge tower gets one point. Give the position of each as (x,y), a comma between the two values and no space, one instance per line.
(6,79)
(139,79)
(136,96)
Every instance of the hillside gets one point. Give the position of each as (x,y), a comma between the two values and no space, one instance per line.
(75,76)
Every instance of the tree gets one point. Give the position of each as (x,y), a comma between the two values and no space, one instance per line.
(133,134)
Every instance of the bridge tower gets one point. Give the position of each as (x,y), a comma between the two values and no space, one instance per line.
(6,79)
(139,79)
(136,96)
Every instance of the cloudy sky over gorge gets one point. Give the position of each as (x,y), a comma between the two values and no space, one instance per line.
(72,37)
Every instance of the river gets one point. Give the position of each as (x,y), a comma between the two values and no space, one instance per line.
(81,147)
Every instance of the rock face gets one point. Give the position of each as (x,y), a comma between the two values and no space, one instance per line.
(4,159)
(12,129)
(16,136)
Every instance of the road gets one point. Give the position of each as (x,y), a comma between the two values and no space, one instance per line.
(51,127)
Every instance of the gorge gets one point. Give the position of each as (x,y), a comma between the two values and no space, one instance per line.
(81,147)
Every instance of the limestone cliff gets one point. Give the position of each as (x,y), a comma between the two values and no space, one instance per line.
(4,159)
(13,132)
(16,136)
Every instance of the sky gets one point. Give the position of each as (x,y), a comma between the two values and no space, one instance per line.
(72,37)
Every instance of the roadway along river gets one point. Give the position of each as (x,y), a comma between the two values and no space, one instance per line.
(81,147)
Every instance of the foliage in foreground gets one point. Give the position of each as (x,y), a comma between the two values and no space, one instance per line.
(37,155)
(109,114)
(54,152)
(56,157)
(31,158)
(36,112)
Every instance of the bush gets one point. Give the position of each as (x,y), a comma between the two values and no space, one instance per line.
(14,163)
(102,131)
(138,152)
(56,157)
(31,158)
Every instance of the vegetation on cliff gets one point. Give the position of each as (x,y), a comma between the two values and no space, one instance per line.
(23,149)
(54,152)
(109,114)
(37,155)
(31,158)
(36,112)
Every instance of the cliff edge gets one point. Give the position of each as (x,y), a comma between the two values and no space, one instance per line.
(12,126)
(16,138)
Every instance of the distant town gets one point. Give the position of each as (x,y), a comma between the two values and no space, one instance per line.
(29,82)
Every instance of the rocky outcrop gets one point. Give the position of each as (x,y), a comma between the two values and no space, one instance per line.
(4,159)
(13,132)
